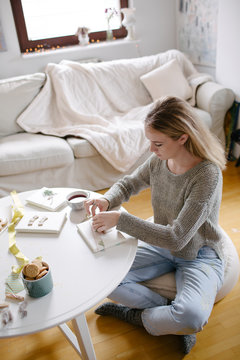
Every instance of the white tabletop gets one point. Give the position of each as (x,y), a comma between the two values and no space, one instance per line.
(81,278)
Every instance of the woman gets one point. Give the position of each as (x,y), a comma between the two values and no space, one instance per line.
(185,178)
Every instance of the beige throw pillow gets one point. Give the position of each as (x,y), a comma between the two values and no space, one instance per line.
(167,79)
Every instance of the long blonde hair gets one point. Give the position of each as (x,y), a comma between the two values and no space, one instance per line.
(174,117)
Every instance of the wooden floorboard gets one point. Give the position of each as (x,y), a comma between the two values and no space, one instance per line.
(116,340)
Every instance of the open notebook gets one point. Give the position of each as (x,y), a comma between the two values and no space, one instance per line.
(97,241)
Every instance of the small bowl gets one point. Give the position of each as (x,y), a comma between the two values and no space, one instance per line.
(40,287)
(76,199)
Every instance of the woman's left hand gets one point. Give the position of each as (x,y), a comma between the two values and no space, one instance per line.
(105,220)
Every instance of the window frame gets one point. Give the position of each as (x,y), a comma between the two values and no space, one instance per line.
(58,42)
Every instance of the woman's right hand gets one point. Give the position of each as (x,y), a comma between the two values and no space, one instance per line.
(92,204)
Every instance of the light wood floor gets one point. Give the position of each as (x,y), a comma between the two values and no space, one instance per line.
(115,340)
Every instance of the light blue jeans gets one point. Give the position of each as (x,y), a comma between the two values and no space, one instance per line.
(197,282)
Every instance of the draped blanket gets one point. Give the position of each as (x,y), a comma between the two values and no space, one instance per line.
(104,103)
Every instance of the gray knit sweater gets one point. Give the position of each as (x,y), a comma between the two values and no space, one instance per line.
(186,207)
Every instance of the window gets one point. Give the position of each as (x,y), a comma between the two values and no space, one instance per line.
(46,24)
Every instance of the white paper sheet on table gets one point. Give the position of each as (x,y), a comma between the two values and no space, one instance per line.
(97,241)
(53,224)
(47,199)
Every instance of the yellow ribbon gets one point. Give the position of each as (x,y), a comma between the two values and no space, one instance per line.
(18,212)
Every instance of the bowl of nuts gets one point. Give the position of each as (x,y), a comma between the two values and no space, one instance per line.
(37,278)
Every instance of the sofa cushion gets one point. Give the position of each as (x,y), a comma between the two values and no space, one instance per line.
(167,79)
(15,95)
(81,147)
(24,153)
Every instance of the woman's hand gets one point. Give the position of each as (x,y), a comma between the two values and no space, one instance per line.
(105,220)
(102,204)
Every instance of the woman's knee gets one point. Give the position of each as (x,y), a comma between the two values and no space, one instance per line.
(192,318)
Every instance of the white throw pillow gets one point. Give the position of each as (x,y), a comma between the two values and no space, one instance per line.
(167,79)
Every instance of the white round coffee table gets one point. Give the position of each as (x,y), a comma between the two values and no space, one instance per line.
(81,278)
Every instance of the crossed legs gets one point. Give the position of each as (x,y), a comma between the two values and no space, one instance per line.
(197,284)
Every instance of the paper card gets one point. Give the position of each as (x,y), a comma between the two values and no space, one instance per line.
(14,283)
(47,198)
(97,241)
(41,222)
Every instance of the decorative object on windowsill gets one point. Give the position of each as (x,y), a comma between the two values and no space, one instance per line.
(42,48)
(82,34)
(109,36)
(129,22)
(110,13)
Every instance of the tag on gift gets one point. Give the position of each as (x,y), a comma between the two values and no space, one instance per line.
(14,283)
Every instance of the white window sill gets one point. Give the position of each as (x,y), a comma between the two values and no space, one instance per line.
(82,49)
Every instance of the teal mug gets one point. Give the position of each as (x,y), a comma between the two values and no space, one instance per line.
(39,287)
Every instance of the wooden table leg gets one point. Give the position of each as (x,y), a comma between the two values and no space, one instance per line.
(81,340)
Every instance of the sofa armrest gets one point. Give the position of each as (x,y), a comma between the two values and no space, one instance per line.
(216,100)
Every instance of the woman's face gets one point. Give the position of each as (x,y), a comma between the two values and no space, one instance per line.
(164,146)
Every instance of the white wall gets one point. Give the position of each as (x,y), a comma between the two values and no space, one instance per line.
(228,48)
(155,28)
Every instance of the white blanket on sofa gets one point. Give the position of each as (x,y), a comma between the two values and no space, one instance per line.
(105,103)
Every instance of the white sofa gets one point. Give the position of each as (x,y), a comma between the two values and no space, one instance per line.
(33,160)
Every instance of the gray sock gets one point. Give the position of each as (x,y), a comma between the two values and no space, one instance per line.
(132,316)
(188,341)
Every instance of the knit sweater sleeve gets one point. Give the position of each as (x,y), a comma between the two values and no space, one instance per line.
(199,203)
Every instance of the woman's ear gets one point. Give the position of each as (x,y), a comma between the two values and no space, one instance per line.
(183,138)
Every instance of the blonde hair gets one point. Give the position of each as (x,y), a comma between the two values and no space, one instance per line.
(174,117)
